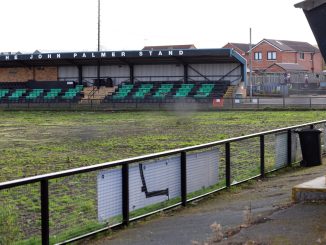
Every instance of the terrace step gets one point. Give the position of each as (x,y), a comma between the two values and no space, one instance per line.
(95,93)
(230,92)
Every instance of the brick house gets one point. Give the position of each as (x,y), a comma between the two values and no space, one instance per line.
(241,48)
(271,55)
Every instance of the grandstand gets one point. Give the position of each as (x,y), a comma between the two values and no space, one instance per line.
(198,90)
(146,75)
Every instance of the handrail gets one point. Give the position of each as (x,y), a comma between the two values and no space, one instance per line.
(91,94)
(64,173)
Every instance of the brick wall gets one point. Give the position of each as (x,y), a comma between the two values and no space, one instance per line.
(318,63)
(22,74)
(46,74)
(275,69)
(264,63)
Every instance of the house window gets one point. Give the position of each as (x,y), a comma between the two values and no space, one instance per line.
(258,56)
(301,55)
(271,55)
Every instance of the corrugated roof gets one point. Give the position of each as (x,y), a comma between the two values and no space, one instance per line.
(295,46)
(170,47)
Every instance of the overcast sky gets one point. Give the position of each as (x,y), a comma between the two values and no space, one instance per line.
(71,25)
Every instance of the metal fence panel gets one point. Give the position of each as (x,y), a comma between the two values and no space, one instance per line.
(109,194)
(281,150)
(159,175)
(202,170)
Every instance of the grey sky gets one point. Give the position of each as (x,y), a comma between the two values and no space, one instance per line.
(71,25)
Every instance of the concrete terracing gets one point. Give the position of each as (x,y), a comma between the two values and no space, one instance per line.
(312,190)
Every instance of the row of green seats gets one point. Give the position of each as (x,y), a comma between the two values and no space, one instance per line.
(143,90)
(204,91)
(34,94)
(53,93)
(3,92)
(184,90)
(163,90)
(17,94)
(123,91)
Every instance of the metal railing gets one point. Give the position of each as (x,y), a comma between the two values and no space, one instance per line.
(171,103)
(240,159)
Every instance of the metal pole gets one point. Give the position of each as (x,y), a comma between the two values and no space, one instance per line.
(262,156)
(250,60)
(227,165)
(125,194)
(184,178)
(99,25)
(289,147)
(45,212)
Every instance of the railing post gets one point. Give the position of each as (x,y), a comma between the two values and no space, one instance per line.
(283,102)
(289,147)
(227,165)
(262,156)
(45,212)
(184,178)
(310,102)
(125,194)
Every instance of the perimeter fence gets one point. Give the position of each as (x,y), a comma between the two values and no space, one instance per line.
(66,206)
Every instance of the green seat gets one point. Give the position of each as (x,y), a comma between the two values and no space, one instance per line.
(122,91)
(204,91)
(52,94)
(143,90)
(17,94)
(184,90)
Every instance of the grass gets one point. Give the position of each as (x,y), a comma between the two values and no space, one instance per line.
(34,143)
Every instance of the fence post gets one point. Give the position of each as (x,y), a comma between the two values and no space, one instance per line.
(258,102)
(45,212)
(125,194)
(262,156)
(310,102)
(289,147)
(227,165)
(283,102)
(184,178)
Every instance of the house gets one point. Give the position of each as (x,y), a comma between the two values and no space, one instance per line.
(270,55)
(241,48)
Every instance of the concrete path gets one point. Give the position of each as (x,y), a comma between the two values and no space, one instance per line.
(260,212)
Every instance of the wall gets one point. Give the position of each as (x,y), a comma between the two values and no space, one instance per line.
(148,72)
(23,74)
(264,63)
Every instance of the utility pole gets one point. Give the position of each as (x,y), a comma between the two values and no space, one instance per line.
(99,26)
(250,67)
(98,41)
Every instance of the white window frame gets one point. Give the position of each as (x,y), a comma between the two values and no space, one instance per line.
(271,55)
(258,56)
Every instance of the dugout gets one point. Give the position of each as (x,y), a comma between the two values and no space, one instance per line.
(115,67)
